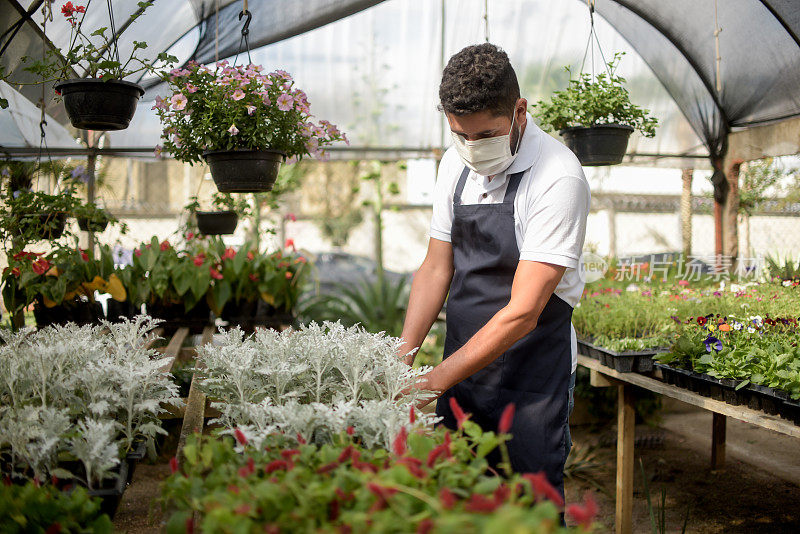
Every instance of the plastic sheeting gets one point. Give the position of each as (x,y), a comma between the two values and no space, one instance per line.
(375,72)
(19,124)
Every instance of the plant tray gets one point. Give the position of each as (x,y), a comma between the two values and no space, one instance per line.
(624,362)
(766,399)
(790,410)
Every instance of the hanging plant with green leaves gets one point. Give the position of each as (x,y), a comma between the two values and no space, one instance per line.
(594,100)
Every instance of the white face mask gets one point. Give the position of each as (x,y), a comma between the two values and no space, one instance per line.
(488,156)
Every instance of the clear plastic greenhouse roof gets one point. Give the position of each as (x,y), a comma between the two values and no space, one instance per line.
(373,67)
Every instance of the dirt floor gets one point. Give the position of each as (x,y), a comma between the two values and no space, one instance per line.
(740,499)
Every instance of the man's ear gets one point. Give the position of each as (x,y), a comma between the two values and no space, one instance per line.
(521,110)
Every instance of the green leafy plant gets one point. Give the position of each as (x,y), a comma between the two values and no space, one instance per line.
(588,101)
(658,513)
(238,108)
(787,272)
(429,482)
(378,306)
(754,350)
(94,51)
(36,508)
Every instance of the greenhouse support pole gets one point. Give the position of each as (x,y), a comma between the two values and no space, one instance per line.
(731,226)
(91,166)
(626,420)
(720,192)
(686,212)
(718,427)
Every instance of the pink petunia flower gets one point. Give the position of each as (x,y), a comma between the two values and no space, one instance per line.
(233,130)
(191,88)
(250,109)
(238,94)
(285,102)
(179,101)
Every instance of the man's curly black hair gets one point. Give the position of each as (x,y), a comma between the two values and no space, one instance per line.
(479,78)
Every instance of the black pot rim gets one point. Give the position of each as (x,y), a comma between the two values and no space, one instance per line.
(253,154)
(94,81)
(612,126)
(212,213)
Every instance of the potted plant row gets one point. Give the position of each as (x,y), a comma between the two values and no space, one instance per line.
(750,361)
(76,401)
(242,121)
(62,284)
(244,287)
(595,116)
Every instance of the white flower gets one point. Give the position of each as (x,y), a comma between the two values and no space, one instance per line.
(233,129)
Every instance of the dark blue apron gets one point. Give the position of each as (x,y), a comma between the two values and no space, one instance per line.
(534,373)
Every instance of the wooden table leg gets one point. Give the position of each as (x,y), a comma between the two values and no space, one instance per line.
(626,418)
(718,427)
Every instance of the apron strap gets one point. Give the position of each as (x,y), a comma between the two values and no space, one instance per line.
(511,188)
(460,186)
(513,185)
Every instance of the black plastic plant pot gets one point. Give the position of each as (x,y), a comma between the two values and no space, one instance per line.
(244,171)
(79,312)
(216,222)
(96,104)
(48,226)
(135,455)
(86,224)
(111,496)
(602,144)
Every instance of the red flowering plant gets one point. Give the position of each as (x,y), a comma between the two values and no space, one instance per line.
(226,107)
(63,277)
(430,481)
(243,276)
(165,277)
(94,51)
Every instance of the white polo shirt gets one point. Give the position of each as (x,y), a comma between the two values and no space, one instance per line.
(550,208)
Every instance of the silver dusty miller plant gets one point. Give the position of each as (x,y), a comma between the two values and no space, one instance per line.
(313,382)
(84,393)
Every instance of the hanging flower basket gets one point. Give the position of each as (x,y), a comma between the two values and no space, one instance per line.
(242,122)
(244,171)
(96,104)
(217,222)
(602,144)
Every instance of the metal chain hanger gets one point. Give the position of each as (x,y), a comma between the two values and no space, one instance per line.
(592,42)
(245,32)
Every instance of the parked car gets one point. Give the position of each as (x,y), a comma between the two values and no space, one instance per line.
(340,268)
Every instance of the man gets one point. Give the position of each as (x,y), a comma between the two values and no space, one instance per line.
(509,219)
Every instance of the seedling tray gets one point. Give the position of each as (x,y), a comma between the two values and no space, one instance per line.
(766,399)
(111,497)
(623,362)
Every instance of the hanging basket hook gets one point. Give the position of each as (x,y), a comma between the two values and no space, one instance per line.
(246,27)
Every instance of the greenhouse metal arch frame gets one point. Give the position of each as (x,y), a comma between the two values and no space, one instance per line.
(731,66)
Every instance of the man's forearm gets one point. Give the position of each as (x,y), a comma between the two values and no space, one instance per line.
(498,335)
(428,293)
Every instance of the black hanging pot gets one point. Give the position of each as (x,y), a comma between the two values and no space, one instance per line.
(244,171)
(96,104)
(601,144)
(216,222)
(95,225)
(47,226)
